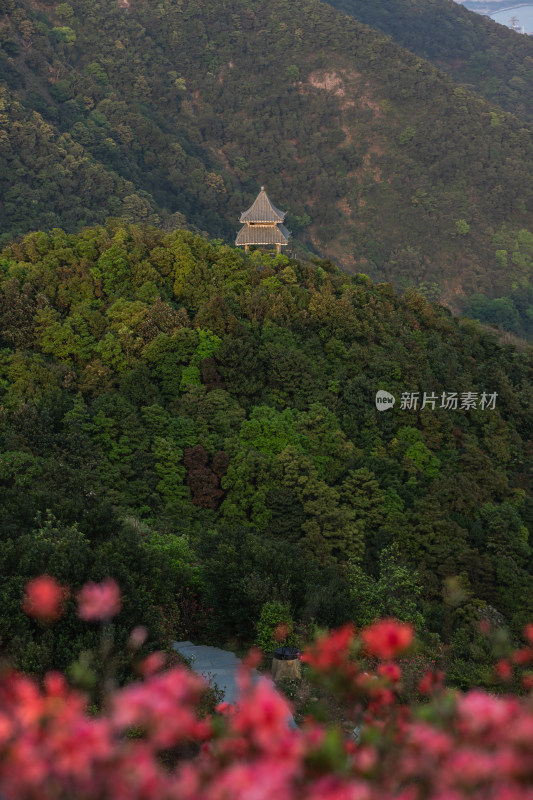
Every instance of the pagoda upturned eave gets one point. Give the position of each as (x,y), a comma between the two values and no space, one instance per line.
(263,235)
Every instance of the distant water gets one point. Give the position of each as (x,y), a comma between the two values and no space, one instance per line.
(524,15)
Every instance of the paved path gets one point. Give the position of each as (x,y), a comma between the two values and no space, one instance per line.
(221,665)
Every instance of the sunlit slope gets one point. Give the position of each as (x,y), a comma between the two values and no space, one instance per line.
(177,113)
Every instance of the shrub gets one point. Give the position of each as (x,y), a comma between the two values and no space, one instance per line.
(153,738)
(275,627)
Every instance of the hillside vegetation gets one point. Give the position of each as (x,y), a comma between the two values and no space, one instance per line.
(489,58)
(174,114)
(202,425)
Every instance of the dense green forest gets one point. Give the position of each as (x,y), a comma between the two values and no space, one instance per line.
(488,58)
(174,114)
(201,424)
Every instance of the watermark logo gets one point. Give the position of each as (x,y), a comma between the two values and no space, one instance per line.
(450,401)
(384,400)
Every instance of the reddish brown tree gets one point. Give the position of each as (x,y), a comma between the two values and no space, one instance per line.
(202,480)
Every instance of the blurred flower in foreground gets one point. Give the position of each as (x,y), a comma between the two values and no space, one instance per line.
(331,651)
(152,664)
(45,599)
(99,601)
(138,636)
(152,739)
(388,638)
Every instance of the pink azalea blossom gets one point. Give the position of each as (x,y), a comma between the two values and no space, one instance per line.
(455,746)
(44,599)
(388,638)
(99,601)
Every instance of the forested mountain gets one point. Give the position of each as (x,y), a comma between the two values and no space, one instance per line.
(175,113)
(492,60)
(199,420)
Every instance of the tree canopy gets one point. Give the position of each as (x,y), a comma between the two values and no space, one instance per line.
(201,418)
(175,115)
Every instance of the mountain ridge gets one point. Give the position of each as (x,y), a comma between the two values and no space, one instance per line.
(474,50)
(397,171)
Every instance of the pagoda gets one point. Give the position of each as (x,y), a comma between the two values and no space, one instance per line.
(263,224)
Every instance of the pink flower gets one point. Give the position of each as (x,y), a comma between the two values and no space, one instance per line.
(432,682)
(479,712)
(504,669)
(528,633)
(470,767)
(262,716)
(333,788)
(164,705)
(45,599)
(260,780)
(523,656)
(366,758)
(138,636)
(428,744)
(152,663)
(55,684)
(527,681)
(99,601)
(6,728)
(388,638)
(225,708)
(331,651)
(390,671)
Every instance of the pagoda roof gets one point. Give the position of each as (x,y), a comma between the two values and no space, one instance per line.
(263,234)
(263,210)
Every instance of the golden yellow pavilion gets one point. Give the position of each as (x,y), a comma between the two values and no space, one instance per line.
(263,224)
